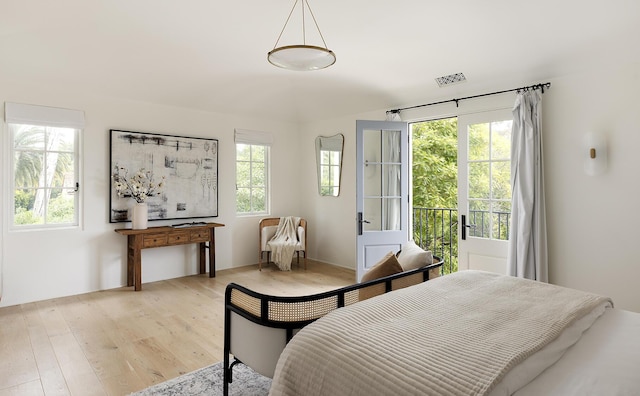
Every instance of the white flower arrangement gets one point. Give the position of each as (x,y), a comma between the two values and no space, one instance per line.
(140,186)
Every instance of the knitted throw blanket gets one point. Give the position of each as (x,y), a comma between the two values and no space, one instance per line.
(458,334)
(283,244)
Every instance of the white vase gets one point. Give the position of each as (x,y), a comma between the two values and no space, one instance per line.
(139,216)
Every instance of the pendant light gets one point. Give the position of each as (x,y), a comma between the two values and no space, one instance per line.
(301,57)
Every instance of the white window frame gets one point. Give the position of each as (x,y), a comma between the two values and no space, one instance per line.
(47,117)
(255,138)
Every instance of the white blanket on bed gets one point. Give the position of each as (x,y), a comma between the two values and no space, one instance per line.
(283,244)
(454,335)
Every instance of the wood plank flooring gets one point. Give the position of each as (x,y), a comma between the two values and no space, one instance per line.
(119,341)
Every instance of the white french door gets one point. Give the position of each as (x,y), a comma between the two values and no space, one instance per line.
(382,190)
(484,190)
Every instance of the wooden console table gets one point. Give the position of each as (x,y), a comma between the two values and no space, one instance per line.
(168,236)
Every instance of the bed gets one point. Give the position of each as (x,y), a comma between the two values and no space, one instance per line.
(257,327)
(467,333)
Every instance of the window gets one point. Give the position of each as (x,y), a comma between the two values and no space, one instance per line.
(252,172)
(44,162)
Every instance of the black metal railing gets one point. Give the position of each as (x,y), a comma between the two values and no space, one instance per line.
(483,226)
(436,229)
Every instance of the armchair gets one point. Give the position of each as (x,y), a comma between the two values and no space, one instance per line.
(268,228)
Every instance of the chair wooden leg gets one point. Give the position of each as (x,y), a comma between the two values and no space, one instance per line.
(304,255)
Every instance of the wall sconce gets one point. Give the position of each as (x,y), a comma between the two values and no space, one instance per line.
(595,154)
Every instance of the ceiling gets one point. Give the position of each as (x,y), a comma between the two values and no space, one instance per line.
(211,55)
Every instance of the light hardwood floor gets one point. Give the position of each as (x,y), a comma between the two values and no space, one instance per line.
(118,341)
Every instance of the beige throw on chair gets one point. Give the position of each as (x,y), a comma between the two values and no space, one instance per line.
(283,244)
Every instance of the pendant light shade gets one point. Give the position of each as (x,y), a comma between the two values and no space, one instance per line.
(301,57)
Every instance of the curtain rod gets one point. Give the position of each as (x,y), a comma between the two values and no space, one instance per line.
(530,87)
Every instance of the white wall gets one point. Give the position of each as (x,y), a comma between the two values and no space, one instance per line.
(592,221)
(39,265)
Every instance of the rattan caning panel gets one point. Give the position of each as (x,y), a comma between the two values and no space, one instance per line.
(301,311)
(371,291)
(351,297)
(406,281)
(246,302)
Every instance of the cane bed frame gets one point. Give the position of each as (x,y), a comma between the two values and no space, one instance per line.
(261,324)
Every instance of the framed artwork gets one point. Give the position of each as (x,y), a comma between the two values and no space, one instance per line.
(187,168)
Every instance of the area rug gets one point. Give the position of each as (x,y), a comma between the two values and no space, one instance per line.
(208,381)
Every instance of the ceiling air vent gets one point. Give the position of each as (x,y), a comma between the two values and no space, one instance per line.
(450,79)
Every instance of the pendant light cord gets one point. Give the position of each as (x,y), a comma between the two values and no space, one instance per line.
(285,24)
(304,35)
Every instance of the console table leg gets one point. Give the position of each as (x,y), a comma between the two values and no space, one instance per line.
(136,258)
(203,257)
(212,255)
(130,258)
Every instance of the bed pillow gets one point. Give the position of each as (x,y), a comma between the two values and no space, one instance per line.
(388,265)
(413,256)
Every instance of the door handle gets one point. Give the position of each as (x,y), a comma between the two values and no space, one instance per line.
(463,221)
(360,221)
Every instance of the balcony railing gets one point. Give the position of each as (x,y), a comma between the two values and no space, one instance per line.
(482,227)
(436,229)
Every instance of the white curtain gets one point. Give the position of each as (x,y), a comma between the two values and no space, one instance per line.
(527,257)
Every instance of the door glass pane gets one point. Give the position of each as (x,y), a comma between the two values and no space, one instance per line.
(479,218)
(501,140)
(489,179)
(501,180)
(372,214)
(391,146)
(391,180)
(372,180)
(479,177)
(478,142)
(501,213)
(372,146)
(381,180)
(391,210)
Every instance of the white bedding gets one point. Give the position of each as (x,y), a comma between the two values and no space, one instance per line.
(433,339)
(606,361)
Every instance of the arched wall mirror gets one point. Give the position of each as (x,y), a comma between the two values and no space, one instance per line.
(329,164)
